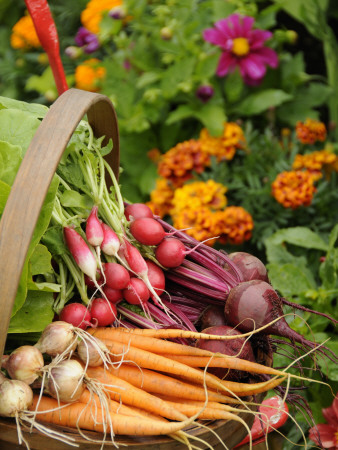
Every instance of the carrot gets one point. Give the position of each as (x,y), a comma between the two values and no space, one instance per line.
(79,415)
(159,363)
(166,348)
(119,389)
(159,383)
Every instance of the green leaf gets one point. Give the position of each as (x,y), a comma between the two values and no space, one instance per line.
(147,78)
(10,160)
(148,179)
(213,117)
(301,236)
(35,315)
(40,261)
(177,73)
(261,101)
(35,109)
(180,113)
(328,367)
(53,239)
(222,9)
(5,190)
(17,127)
(233,86)
(43,83)
(206,67)
(289,279)
(73,199)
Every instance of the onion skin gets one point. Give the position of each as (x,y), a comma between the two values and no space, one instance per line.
(25,364)
(65,381)
(56,338)
(15,396)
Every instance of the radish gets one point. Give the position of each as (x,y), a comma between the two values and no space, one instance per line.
(111,243)
(81,253)
(136,293)
(156,277)
(77,314)
(239,348)
(254,304)
(117,276)
(90,283)
(137,210)
(113,295)
(103,312)
(170,252)
(251,267)
(94,231)
(147,231)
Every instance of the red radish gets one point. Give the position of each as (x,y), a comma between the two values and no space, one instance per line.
(156,277)
(170,252)
(90,283)
(234,347)
(113,295)
(136,292)
(103,312)
(80,251)
(117,276)
(137,210)
(147,231)
(250,267)
(77,314)
(254,304)
(94,231)
(111,243)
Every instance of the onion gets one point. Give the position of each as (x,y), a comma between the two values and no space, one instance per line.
(24,364)
(58,337)
(15,396)
(94,352)
(65,381)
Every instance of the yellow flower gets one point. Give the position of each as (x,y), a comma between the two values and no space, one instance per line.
(161,198)
(294,189)
(197,223)
(178,164)
(223,147)
(199,194)
(92,15)
(310,131)
(89,74)
(234,225)
(315,162)
(24,35)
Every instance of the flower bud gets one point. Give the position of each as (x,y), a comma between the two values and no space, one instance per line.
(166,33)
(205,93)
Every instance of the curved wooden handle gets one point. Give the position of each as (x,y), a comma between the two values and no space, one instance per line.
(34,177)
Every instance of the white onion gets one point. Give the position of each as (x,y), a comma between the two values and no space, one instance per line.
(58,337)
(15,396)
(24,363)
(65,381)
(93,352)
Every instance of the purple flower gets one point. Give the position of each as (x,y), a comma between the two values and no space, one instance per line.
(205,92)
(89,41)
(243,47)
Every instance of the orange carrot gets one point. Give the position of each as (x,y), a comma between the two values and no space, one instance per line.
(121,390)
(167,348)
(158,383)
(159,363)
(79,415)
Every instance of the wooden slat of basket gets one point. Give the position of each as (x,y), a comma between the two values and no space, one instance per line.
(34,177)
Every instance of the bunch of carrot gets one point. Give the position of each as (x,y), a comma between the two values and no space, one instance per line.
(154,386)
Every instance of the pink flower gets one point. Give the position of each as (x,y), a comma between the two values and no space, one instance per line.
(328,431)
(243,47)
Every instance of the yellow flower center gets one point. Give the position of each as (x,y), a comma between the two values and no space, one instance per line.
(240,46)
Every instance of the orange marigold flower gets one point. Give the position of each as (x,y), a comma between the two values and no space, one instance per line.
(24,35)
(316,161)
(154,155)
(234,225)
(161,198)
(92,15)
(225,146)
(294,189)
(197,223)
(310,131)
(199,194)
(89,74)
(178,164)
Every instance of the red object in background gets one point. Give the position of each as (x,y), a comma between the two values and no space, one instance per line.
(274,413)
(47,34)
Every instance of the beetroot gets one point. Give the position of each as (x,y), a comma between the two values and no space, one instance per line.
(254,304)
(234,347)
(250,267)
(212,316)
